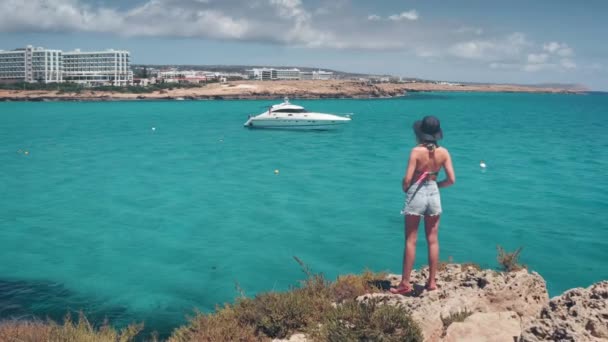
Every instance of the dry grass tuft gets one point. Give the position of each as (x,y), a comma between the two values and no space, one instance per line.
(467,265)
(458,316)
(509,261)
(351,286)
(222,326)
(69,331)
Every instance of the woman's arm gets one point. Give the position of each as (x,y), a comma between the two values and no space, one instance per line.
(409,172)
(449,173)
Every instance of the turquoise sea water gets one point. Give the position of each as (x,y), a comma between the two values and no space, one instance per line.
(106,215)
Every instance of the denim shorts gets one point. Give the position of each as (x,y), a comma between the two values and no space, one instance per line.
(423,199)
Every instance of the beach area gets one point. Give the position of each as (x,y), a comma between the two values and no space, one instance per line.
(275,89)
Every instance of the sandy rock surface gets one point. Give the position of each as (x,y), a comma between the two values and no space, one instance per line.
(485,327)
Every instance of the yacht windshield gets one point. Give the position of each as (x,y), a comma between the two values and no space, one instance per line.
(290,110)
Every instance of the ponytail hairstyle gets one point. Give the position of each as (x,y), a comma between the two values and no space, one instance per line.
(429,144)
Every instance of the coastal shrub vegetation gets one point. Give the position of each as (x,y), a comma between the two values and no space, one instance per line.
(509,261)
(325,310)
(458,316)
(69,331)
(369,321)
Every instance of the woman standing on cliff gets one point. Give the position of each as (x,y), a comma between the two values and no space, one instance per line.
(423,200)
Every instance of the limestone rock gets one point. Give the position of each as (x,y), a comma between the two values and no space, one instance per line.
(577,315)
(293,338)
(463,287)
(482,327)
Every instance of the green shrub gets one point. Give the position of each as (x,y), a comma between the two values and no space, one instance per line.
(277,315)
(369,321)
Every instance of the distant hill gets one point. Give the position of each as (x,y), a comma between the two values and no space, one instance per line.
(344,74)
(568,86)
(565,86)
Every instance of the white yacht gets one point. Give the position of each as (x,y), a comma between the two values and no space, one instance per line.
(289,116)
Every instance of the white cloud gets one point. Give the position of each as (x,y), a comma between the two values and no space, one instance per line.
(153,18)
(508,66)
(516,52)
(560,49)
(331,7)
(303,32)
(538,67)
(568,63)
(467,30)
(291,9)
(538,58)
(407,15)
(426,52)
(551,47)
(506,48)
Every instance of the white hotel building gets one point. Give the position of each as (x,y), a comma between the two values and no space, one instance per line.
(31,65)
(270,74)
(110,67)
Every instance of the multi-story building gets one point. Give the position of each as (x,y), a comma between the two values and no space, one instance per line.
(288,74)
(263,74)
(271,74)
(316,75)
(110,67)
(31,65)
(306,75)
(322,75)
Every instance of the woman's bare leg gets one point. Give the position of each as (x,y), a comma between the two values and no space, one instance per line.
(431,227)
(409,253)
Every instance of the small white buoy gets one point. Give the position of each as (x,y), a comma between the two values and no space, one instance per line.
(26,152)
(276,172)
(482,164)
(153,129)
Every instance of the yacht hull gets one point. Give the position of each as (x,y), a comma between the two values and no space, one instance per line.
(294,124)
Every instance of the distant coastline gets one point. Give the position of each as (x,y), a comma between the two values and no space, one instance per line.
(234,90)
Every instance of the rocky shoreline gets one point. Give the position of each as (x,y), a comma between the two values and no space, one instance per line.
(258,90)
(498,306)
(470,304)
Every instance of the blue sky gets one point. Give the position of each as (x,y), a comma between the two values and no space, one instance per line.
(480,41)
